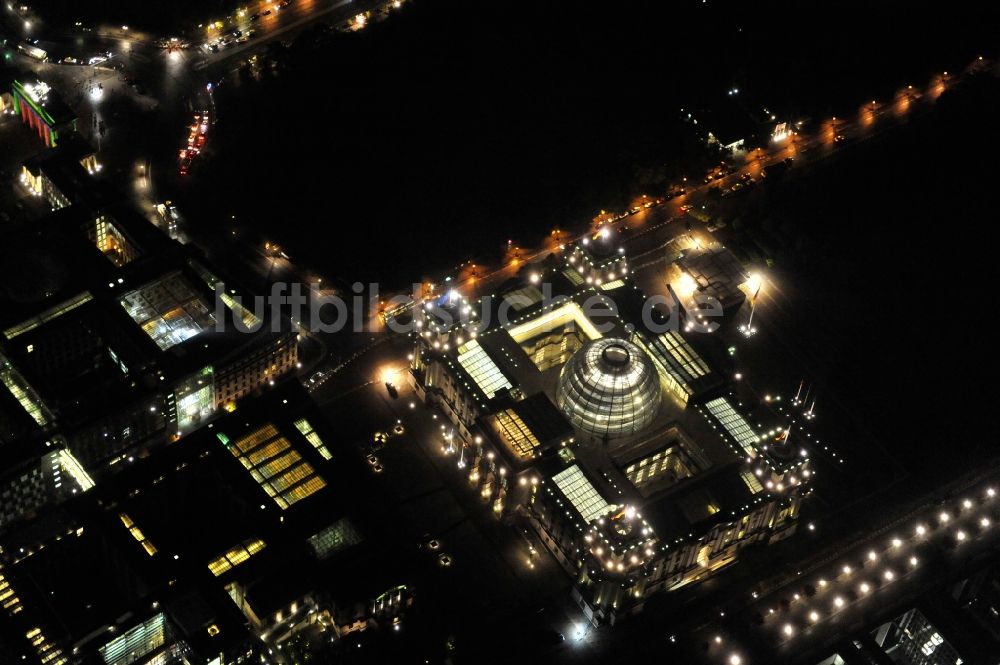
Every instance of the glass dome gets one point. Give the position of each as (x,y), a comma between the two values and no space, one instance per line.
(609,388)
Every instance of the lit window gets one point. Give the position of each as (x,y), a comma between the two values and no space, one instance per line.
(137,534)
(235,556)
(312,437)
(277,467)
(169,310)
(337,537)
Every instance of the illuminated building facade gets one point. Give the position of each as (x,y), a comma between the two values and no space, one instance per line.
(215,552)
(658,480)
(115,327)
(42,110)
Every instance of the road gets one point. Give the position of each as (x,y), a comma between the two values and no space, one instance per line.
(279,23)
(498,567)
(176,84)
(880,575)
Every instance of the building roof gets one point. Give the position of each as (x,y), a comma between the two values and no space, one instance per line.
(734,424)
(703,500)
(160,526)
(482,369)
(675,356)
(46,101)
(716,272)
(581,493)
(530,428)
(609,388)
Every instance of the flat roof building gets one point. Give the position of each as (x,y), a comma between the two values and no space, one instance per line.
(569,403)
(229,543)
(115,338)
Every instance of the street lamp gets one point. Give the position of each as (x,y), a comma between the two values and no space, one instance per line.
(753,285)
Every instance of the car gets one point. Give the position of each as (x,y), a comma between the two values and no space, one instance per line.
(266,12)
(398,429)
(237,33)
(380,438)
(686,207)
(839,138)
(746,177)
(377,467)
(444,560)
(434,544)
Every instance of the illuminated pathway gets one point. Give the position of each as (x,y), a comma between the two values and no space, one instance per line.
(844,595)
(831,136)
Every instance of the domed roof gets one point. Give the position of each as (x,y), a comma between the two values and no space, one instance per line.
(609,388)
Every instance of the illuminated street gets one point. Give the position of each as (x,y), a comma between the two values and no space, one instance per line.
(391,331)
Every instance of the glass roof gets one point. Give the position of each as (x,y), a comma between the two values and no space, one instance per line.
(474,360)
(582,494)
(275,465)
(735,424)
(169,310)
(609,388)
(236,555)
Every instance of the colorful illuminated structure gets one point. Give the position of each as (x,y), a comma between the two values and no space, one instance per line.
(42,110)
